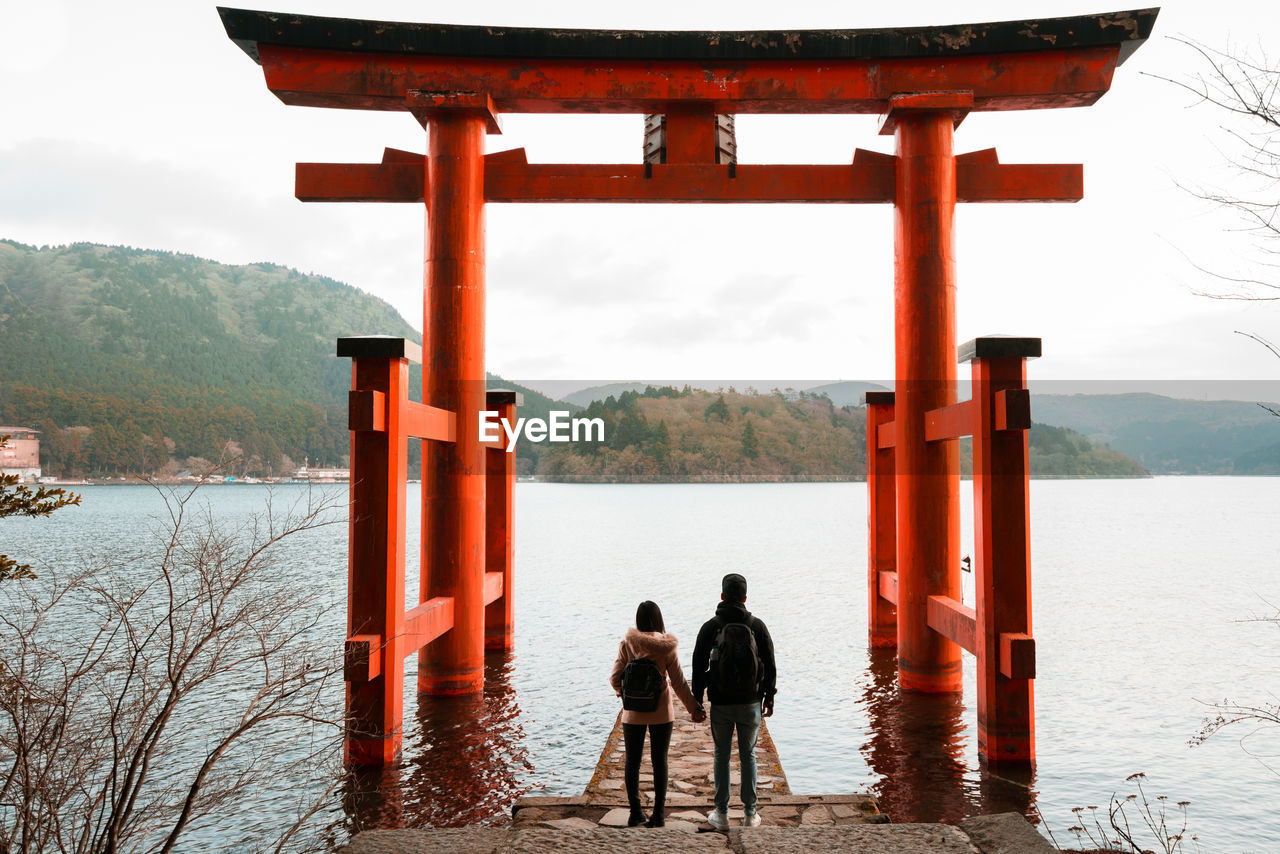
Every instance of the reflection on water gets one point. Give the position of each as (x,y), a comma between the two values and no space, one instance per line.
(916,744)
(464,763)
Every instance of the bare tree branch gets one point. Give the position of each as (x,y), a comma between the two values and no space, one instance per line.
(1246,87)
(104,672)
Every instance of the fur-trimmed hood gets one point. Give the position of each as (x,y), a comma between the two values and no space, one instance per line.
(655,645)
(660,648)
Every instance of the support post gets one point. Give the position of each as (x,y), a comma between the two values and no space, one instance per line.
(928,475)
(453,479)
(882,534)
(1002,563)
(499,503)
(375,557)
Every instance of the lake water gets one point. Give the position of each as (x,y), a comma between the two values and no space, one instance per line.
(1142,594)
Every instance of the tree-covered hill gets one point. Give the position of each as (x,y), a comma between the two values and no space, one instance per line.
(665,434)
(132,361)
(1172,435)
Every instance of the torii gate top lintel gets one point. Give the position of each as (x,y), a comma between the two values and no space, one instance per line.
(1048,62)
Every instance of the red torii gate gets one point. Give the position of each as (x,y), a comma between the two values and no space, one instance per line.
(457,80)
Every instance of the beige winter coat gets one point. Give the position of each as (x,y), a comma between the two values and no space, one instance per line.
(661,649)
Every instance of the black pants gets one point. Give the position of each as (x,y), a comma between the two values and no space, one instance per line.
(659,742)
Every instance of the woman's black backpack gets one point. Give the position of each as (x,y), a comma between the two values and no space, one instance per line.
(642,684)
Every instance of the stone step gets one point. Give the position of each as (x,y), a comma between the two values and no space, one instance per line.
(775,810)
(1008,833)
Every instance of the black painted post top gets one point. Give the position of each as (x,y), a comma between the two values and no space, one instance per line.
(879,398)
(379,347)
(503,397)
(1000,347)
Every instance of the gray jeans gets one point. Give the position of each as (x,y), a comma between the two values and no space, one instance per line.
(746,717)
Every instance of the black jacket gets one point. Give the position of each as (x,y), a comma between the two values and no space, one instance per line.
(732,612)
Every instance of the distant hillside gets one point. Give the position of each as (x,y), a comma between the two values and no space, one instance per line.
(584,396)
(668,434)
(1169,435)
(1062,452)
(846,393)
(133,361)
(841,393)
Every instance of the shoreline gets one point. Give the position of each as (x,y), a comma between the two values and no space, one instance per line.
(120,481)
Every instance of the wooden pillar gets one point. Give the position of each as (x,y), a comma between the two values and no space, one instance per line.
(375,557)
(927,475)
(453,480)
(1002,561)
(500,475)
(882,536)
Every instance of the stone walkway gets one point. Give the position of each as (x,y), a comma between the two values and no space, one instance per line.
(691,790)
(1008,833)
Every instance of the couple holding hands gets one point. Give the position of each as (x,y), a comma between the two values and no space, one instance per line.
(733,664)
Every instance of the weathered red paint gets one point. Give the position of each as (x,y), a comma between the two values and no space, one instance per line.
(380,632)
(882,535)
(691,133)
(889,590)
(886,436)
(492,588)
(376,566)
(426,622)
(1013,409)
(949,422)
(953,620)
(371,81)
(500,473)
(997,629)
(453,480)
(362,658)
(1002,566)
(928,475)
(509,178)
(429,422)
(1017,655)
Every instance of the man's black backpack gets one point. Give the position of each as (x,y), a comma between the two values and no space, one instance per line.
(642,684)
(735,661)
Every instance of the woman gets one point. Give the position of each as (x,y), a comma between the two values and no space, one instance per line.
(650,640)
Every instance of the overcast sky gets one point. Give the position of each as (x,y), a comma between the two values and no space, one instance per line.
(140,123)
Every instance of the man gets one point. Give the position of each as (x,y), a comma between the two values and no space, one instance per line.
(740,689)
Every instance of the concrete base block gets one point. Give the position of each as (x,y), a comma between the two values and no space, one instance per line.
(444,840)
(633,841)
(1005,833)
(852,839)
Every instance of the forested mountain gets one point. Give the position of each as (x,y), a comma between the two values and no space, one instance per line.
(1172,435)
(133,361)
(1165,435)
(665,434)
(136,362)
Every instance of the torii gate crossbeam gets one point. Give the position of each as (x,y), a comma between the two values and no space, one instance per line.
(457,80)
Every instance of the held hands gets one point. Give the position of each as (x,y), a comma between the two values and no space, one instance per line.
(766,707)
(698,715)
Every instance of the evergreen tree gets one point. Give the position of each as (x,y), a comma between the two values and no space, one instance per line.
(719,409)
(19,500)
(750,444)
(661,449)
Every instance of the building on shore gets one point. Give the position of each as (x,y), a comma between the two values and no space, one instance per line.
(312,474)
(20,455)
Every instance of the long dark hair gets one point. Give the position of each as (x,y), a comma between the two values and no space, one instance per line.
(649,617)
